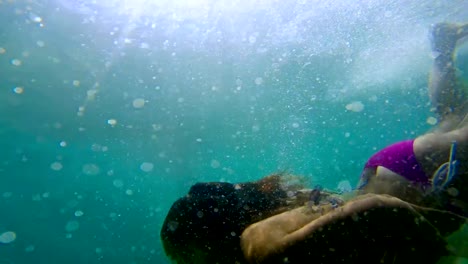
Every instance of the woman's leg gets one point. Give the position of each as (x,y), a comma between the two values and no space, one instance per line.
(447,95)
(433,149)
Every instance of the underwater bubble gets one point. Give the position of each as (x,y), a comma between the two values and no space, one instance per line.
(7,237)
(40,43)
(173,225)
(79,213)
(453,191)
(30,248)
(91,169)
(146,166)
(72,203)
(129,192)
(431,120)
(63,144)
(2,50)
(215,164)
(112,122)
(118,183)
(347,134)
(344,186)
(35,18)
(72,226)
(199,140)
(357,106)
(258,80)
(138,103)
(16,62)
(157,127)
(355,217)
(96,147)
(36,197)
(98,250)
(76,83)
(7,194)
(91,94)
(18,90)
(56,166)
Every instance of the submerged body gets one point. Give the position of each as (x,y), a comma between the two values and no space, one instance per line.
(414,169)
(401,211)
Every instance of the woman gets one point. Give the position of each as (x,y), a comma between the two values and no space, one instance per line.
(274,221)
(435,162)
(429,174)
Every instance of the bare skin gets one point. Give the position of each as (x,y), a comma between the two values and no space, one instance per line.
(271,236)
(450,103)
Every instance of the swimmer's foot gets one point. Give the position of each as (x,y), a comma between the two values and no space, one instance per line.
(445,36)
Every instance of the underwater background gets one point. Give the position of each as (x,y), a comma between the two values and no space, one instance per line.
(110,110)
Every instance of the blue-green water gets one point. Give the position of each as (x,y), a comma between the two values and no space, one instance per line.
(111,110)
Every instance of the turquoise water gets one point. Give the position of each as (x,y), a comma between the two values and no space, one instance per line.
(111,110)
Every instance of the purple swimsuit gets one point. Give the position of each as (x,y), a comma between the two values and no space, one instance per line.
(400,159)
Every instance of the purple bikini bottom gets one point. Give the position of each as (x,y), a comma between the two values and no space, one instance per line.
(400,159)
